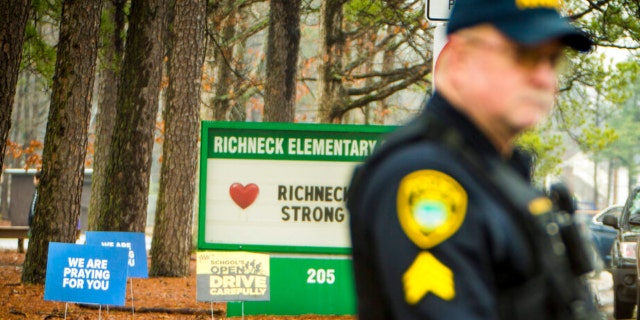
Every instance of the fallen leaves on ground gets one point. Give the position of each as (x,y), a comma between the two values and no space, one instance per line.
(153,298)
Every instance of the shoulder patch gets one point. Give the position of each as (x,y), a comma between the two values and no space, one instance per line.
(431,207)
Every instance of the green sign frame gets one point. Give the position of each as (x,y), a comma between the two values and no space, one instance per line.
(287,142)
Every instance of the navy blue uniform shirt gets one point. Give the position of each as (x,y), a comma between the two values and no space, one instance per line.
(466,242)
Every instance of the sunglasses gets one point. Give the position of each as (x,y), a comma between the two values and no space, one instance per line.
(525,56)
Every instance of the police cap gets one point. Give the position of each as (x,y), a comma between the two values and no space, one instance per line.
(528,22)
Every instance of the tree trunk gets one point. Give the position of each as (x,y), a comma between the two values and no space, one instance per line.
(332,92)
(223,57)
(126,188)
(372,111)
(58,204)
(282,61)
(171,244)
(111,58)
(14,15)
(4,196)
(596,196)
(388,61)
(614,187)
(238,109)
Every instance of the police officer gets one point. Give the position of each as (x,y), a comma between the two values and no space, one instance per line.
(444,221)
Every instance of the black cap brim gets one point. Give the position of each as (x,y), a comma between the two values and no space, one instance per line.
(544,25)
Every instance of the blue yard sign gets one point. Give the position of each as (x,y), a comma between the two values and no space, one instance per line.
(86,274)
(133,241)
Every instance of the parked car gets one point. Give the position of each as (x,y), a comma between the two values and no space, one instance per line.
(603,235)
(624,267)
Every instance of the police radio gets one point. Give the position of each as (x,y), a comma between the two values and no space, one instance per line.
(580,257)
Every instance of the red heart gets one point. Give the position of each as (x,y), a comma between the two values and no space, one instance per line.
(244,196)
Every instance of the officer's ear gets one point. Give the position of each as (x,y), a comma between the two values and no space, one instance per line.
(450,64)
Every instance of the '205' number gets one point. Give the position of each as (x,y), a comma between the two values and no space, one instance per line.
(321,276)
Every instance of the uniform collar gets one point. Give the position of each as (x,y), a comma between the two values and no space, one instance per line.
(442,109)
(450,116)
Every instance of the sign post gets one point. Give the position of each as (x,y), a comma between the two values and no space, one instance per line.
(438,12)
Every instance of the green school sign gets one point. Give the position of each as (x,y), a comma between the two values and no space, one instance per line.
(279,187)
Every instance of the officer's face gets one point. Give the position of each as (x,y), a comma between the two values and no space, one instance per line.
(511,86)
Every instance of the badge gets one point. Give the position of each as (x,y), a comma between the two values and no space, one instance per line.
(431,207)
